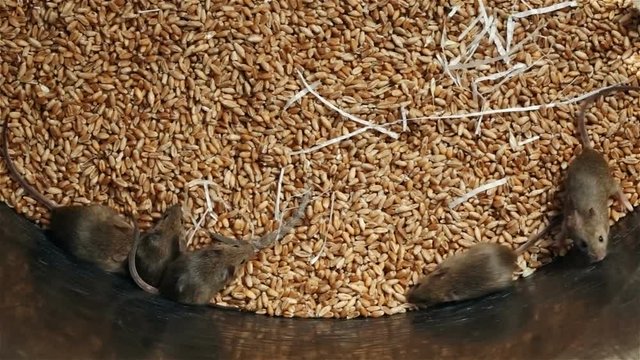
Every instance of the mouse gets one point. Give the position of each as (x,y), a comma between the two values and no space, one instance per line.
(631,18)
(588,186)
(156,248)
(93,233)
(196,276)
(483,269)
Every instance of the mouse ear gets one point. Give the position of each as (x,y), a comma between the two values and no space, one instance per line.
(182,244)
(151,237)
(121,224)
(223,239)
(439,272)
(578,219)
(120,258)
(572,219)
(181,286)
(229,272)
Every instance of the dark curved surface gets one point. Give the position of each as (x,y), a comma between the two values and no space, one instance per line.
(52,307)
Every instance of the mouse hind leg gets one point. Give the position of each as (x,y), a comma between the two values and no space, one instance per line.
(624,200)
(616,190)
(224,239)
(567,224)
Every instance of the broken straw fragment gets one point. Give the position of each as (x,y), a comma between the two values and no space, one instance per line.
(513,142)
(516,71)
(332,141)
(483,12)
(403,112)
(490,25)
(445,66)
(539,11)
(468,29)
(475,43)
(509,110)
(209,209)
(277,214)
(454,10)
(457,116)
(300,94)
(493,37)
(500,74)
(529,140)
(324,238)
(544,10)
(476,191)
(506,57)
(517,145)
(147,11)
(379,128)
(197,227)
(443,59)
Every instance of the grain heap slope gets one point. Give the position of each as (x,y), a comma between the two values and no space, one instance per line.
(125,104)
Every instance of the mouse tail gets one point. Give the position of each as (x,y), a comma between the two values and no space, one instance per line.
(133,271)
(534,238)
(16,175)
(268,240)
(584,137)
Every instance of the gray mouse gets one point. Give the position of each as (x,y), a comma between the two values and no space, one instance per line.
(93,233)
(588,186)
(195,277)
(156,248)
(484,269)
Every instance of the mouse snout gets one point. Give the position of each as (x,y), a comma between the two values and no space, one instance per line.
(598,246)
(597,252)
(597,255)
(174,210)
(172,217)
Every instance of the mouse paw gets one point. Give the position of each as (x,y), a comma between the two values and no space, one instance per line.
(624,201)
(627,205)
(560,248)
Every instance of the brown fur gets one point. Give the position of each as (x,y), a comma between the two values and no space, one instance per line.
(589,185)
(93,233)
(153,251)
(195,277)
(483,269)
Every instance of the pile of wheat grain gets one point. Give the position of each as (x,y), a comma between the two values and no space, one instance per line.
(126,103)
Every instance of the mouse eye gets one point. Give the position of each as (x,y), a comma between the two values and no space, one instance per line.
(601,239)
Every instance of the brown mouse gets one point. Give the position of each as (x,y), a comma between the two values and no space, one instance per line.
(631,18)
(588,186)
(195,277)
(484,269)
(156,248)
(93,233)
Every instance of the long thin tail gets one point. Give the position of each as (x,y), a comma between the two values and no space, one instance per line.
(269,239)
(50,205)
(535,237)
(584,137)
(133,271)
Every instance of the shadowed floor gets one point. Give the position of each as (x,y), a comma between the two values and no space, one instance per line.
(53,307)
